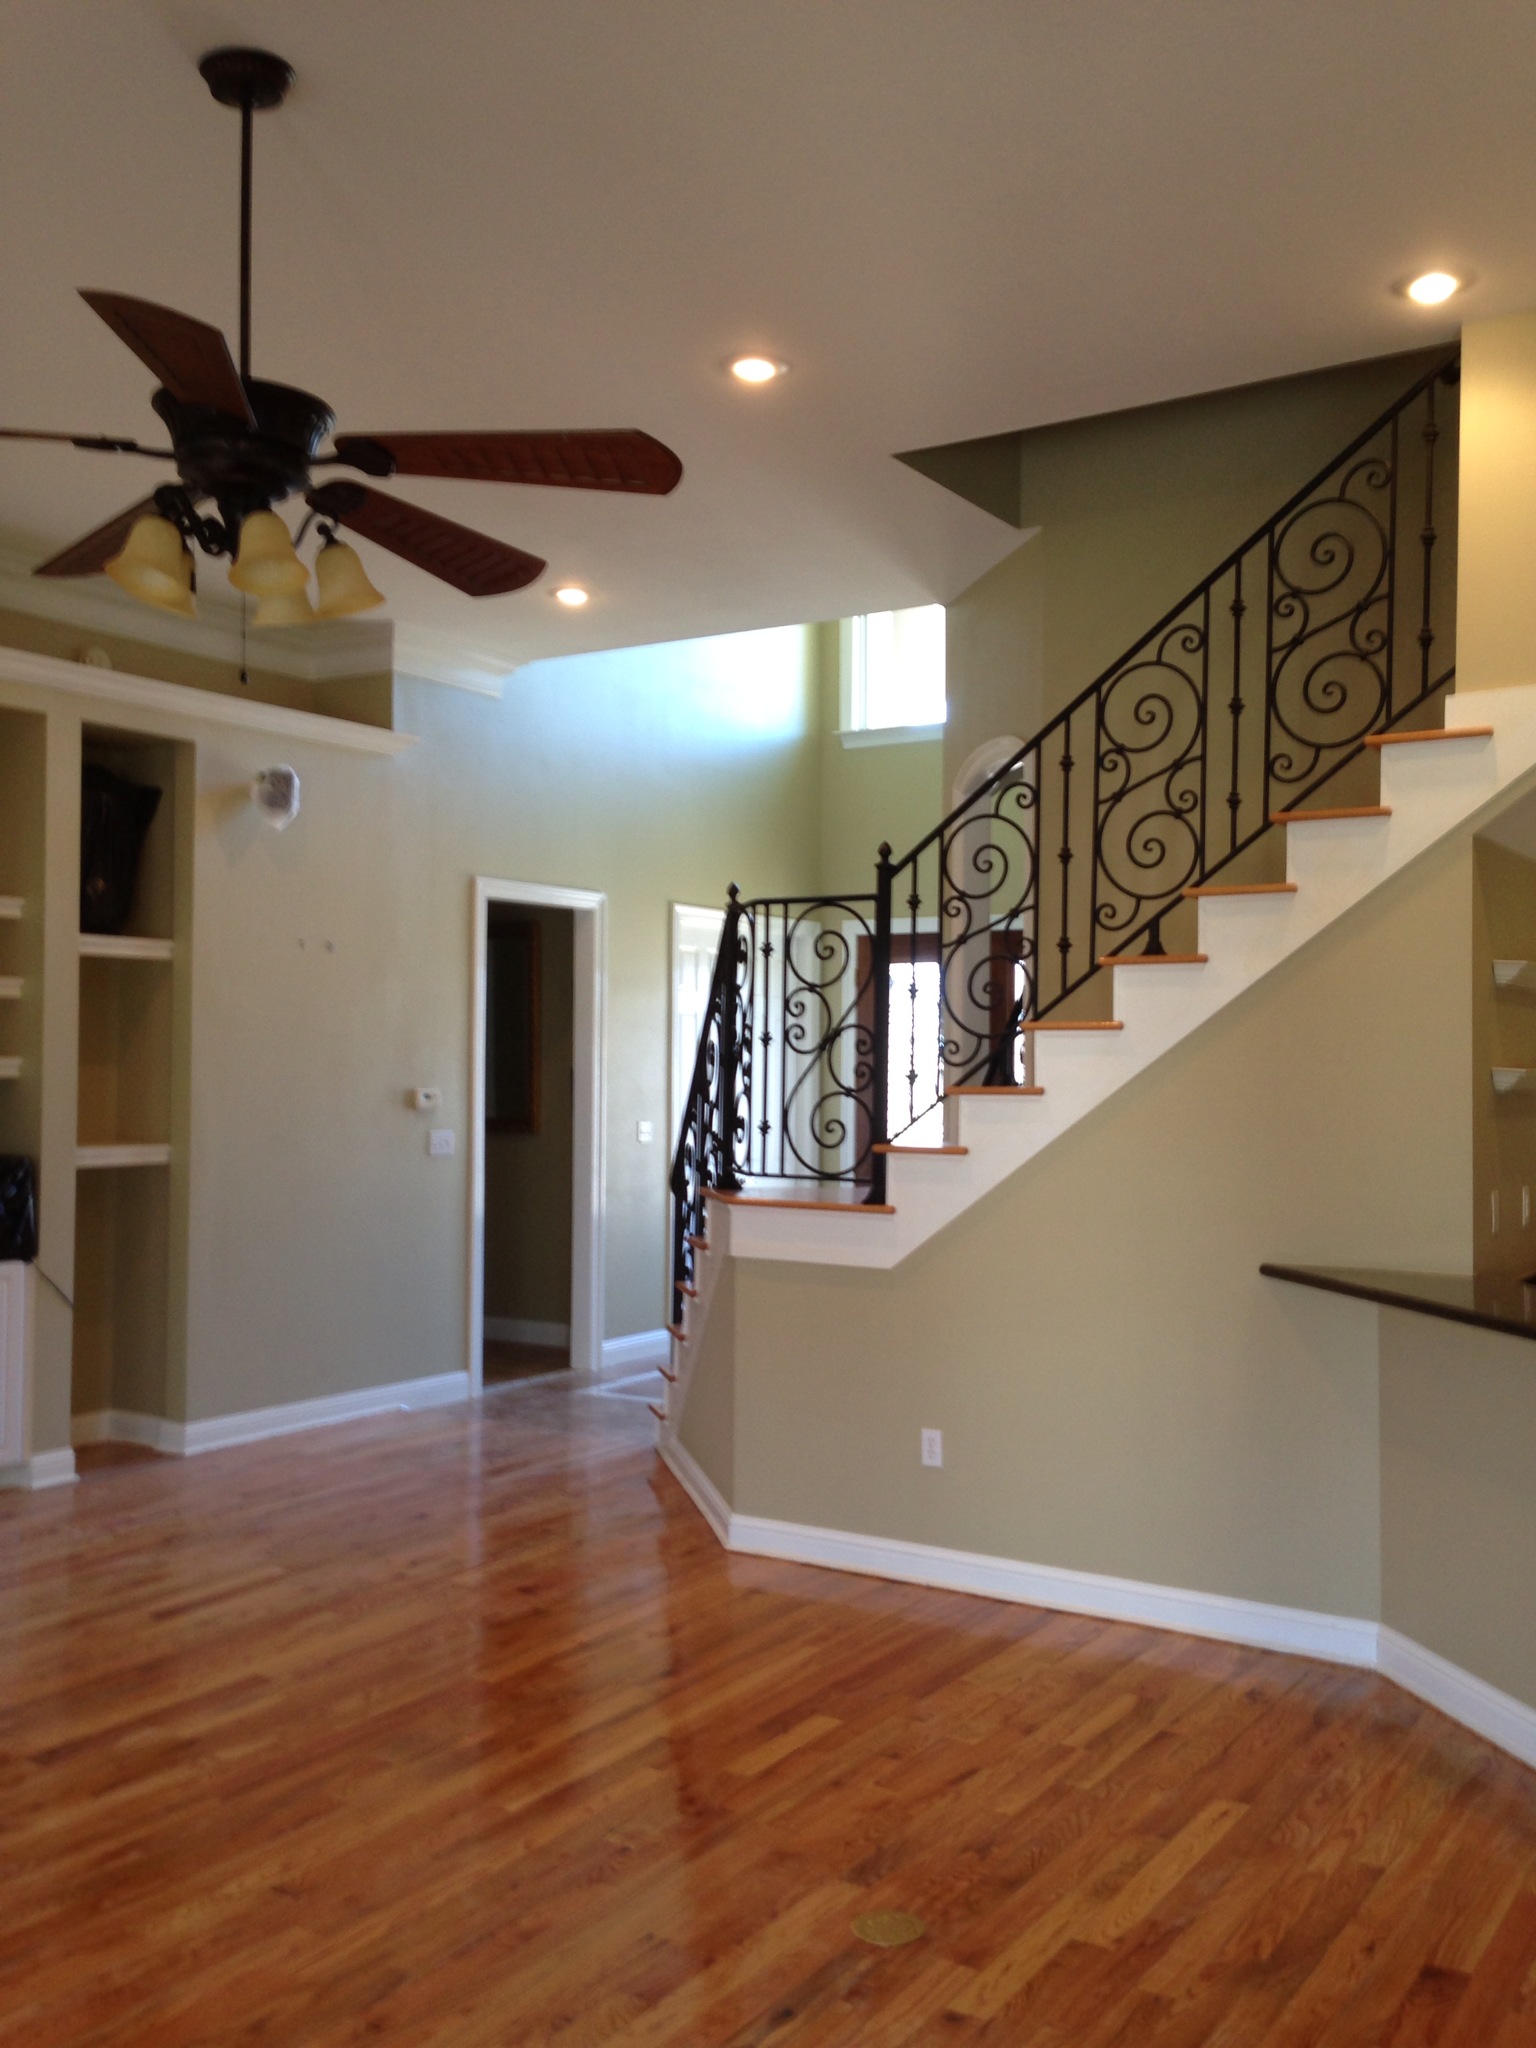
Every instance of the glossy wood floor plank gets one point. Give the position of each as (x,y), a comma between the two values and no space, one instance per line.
(458,1729)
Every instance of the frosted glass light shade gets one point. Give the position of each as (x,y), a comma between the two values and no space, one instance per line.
(154,566)
(287,608)
(266,565)
(342,582)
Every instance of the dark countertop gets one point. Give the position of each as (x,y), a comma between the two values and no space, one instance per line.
(1491,1303)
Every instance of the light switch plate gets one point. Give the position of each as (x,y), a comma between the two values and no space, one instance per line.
(933,1446)
(440,1144)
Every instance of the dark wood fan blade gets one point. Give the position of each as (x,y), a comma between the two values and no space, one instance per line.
(623,460)
(470,561)
(191,359)
(90,554)
(108,444)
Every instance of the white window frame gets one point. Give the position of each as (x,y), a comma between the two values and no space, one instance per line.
(854,728)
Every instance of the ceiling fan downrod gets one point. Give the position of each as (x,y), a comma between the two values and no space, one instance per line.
(249,80)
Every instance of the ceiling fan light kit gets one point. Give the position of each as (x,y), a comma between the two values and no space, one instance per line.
(154,565)
(244,445)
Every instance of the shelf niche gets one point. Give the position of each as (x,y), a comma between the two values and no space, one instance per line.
(23,780)
(129,1232)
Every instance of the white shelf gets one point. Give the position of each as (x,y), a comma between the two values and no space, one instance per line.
(1514,973)
(11,907)
(122,1155)
(10,1067)
(1508,1080)
(120,946)
(10,988)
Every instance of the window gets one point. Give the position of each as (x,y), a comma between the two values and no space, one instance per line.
(695,942)
(893,670)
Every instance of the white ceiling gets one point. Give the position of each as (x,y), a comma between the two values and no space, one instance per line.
(952,217)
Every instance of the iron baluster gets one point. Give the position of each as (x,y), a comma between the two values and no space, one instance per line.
(880,1047)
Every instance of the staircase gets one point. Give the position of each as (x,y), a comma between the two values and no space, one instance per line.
(1274,749)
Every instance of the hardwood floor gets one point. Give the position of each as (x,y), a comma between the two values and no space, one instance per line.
(457,1730)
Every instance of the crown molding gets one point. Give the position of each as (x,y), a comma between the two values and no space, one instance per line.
(423,655)
(319,654)
(169,707)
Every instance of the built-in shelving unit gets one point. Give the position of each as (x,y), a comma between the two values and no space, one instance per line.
(127,1242)
(124,946)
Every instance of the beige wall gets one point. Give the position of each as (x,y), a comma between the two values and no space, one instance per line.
(1496,595)
(1120,1390)
(1128,512)
(1458,1506)
(528,1173)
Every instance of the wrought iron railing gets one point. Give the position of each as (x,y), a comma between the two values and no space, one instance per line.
(840,1024)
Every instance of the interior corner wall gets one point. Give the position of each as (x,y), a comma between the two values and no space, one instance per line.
(1119,1388)
(1458,1511)
(1496,595)
(1125,513)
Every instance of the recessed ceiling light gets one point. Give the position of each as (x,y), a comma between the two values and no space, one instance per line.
(571,594)
(1433,288)
(757,369)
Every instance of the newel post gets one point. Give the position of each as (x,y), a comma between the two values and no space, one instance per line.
(880,1044)
(730,1042)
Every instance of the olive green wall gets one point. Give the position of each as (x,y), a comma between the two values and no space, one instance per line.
(1120,1391)
(528,1173)
(892,790)
(1129,511)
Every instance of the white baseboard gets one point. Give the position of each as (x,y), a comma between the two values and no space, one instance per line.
(1335,1638)
(520,1330)
(121,1426)
(697,1484)
(221,1432)
(644,1347)
(1471,1701)
(1338,1638)
(47,1468)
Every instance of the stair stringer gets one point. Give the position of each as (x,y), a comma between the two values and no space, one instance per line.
(1429,791)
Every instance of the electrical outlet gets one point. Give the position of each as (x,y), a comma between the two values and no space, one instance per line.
(440,1144)
(645,1131)
(1525,1208)
(1493,1205)
(933,1446)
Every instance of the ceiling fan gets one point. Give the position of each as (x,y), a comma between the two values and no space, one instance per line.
(243,445)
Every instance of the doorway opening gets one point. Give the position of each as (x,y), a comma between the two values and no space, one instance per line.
(535,1133)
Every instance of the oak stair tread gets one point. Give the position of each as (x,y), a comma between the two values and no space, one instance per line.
(1242,889)
(928,1151)
(994,1088)
(676,1330)
(1153,959)
(700,1244)
(1352,811)
(790,1202)
(1085,1024)
(1408,739)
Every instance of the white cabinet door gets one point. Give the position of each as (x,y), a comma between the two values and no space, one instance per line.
(13,1360)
